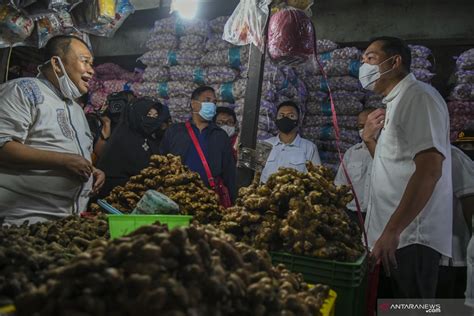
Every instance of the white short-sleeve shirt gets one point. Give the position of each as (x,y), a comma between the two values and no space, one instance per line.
(292,155)
(358,163)
(416,120)
(463,186)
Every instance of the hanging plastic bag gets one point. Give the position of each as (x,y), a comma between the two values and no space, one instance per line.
(52,25)
(123,10)
(290,37)
(14,26)
(247,23)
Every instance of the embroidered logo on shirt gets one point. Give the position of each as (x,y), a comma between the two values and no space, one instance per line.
(31,90)
(64,124)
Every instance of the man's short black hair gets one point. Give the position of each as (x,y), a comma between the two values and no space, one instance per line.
(395,46)
(226,110)
(198,91)
(289,103)
(59,46)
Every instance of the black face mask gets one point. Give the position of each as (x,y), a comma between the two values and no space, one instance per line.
(286,125)
(150,124)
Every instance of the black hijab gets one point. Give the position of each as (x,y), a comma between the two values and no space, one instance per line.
(132,143)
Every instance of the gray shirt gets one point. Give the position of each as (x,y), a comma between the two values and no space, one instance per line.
(34,113)
(292,155)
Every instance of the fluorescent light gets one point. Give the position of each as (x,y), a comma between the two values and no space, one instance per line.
(187,9)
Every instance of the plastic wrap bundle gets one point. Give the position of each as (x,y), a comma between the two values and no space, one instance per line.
(266,125)
(157,74)
(162,42)
(290,37)
(170,58)
(325,46)
(421,67)
(177,26)
(14,26)
(266,108)
(232,91)
(234,57)
(164,90)
(208,75)
(270,73)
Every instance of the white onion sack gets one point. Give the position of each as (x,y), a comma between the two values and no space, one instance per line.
(465,76)
(423,74)
(207,76)
(422,63)
(115,85)
(270,73)
(343,107)
(176,26)
(330,145)
(234,57)
(156,74)
(341,53)
(170,58)
(192,42)
(460,108)
(232,91)
(336,83)
(265,123)
(165,90)
(324,46)
(419,51)
(463,92)
(217,43)
(344,121)
(465,61)
(217,25)
(162,42)
(266,108)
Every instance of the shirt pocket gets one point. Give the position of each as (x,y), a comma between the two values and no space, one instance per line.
(297,160)
(389,144)
(356,170)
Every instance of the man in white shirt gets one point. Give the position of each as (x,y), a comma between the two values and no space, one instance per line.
(358,162)
(411,188)
(452,273)
(45,142)
(289,150)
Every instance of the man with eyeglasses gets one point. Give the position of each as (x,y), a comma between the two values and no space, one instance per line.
(289,150)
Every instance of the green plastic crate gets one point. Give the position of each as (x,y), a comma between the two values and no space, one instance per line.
(120,225)
(349,280)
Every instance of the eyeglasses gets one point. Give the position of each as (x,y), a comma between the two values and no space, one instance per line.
(291,116)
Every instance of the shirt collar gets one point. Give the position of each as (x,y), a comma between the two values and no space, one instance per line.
(50,85)
(402,85)
(296,142)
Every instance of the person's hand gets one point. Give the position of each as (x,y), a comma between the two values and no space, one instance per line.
(373,125)
(384,250)
(78,166)
(105,120)
(99,180)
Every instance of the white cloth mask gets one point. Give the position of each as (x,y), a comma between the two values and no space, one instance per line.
(230,130)
(67,87)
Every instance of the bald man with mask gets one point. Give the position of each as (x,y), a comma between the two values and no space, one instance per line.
(45,142)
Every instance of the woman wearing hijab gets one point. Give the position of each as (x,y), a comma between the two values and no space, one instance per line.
(133,142)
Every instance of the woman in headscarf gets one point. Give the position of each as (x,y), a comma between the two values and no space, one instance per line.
(133,142)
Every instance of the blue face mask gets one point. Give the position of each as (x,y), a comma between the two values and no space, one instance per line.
(208,111)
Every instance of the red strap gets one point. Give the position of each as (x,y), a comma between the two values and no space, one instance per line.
(336,132)
(191,133)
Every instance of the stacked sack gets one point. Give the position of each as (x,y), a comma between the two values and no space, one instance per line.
(186,54)
(461,99)
(421,68)
(109,78)
(341,65)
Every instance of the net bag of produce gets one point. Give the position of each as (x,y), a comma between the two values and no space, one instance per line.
(290,37)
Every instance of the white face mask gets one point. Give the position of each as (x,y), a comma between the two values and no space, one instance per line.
(67,87)
(230,130)
(361,133)
(369,74)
